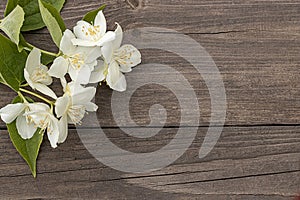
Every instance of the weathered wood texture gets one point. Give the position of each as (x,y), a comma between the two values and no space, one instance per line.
(260,161)
(255,45)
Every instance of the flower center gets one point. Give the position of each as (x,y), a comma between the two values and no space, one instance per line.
(122,56)
(76,113)
(40,75)
(28,117)
(76,61)
(43,123)
(92,31)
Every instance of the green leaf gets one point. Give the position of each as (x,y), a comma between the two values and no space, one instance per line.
(51,18)
(23,43)
(56,15)
(12,63)
(33,18)
(1,80)
(12,23)
(28,149)
(90,16)
(11,4)
(47,59)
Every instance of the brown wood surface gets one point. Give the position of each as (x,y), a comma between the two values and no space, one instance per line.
(256,46)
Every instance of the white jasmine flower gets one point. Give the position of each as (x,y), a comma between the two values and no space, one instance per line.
(41,115)
(118,59)
(77,61)
(73,106)
(28,117)
(92,35)
(36,74)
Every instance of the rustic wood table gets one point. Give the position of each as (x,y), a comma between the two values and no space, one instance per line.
(256,47)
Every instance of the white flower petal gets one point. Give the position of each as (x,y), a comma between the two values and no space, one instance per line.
(83,95)
(28,80)
(128,56)
(84,43)
(73,73)
(63,129)
(47,79)
(61,105)
(101,22)
(125,68)
(63,82)
(92,65)
(25,130)
(107,52)
(74,87)
(91,107)
(81,76)
(37,107)
(59,68)
(119,37)
(83,51)
(108,37)
(93,55)
(45,90)
(33,60)
(98,73)
(115,79)
(66,45)
(53,131)
(10,112)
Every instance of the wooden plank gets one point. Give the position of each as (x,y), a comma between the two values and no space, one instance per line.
(261,162)
(255,46)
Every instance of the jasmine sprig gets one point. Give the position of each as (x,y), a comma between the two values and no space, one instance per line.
(87,54)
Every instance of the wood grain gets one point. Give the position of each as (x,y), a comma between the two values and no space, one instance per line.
(262,161)
(255,45)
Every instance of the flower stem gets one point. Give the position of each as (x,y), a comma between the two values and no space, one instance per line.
(49,53)
(21,95)
(43,51)
(37,95)
(24,85)
(51,108)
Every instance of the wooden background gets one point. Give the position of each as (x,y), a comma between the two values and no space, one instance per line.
(256,46)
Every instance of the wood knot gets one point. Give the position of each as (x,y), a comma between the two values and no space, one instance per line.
(134,4)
